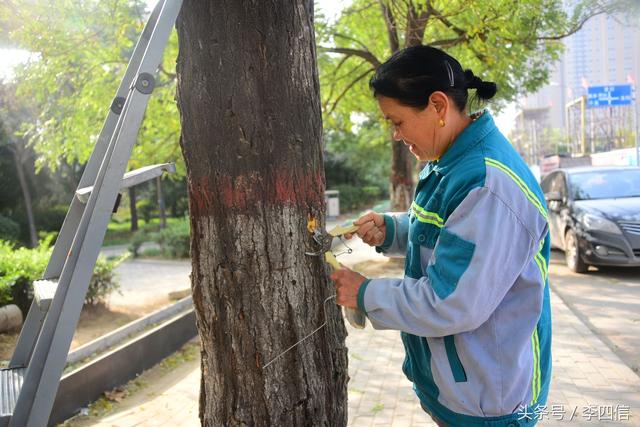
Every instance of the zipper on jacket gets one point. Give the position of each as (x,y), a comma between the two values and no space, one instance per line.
(454,361)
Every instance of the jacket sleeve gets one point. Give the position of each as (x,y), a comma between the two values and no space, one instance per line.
(480,252)
(396,234)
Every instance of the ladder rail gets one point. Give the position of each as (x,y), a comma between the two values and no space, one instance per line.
(64,241)
(45,368)
(27,338)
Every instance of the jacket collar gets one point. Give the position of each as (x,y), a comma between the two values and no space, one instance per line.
(469,137)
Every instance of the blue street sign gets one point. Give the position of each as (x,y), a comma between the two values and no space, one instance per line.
(609,96)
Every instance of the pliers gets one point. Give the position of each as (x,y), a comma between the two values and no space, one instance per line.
(356,318)
(325,239)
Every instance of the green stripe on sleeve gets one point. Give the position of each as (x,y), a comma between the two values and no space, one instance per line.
(520,183)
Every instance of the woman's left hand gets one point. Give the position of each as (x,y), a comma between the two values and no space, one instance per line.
(348,283)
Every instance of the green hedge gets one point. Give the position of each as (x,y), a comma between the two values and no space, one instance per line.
(9,229)
(174,240)
(19,267)
(356,197)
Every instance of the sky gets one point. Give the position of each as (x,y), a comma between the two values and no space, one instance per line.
(331,8)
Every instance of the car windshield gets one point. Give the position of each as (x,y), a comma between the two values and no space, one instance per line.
(606,184)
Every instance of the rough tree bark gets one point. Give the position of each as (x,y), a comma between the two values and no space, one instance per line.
(402,171)
(248,95)
(401,192)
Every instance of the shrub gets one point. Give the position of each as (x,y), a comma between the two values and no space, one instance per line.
(146,209)
(152,252)
(174,240)
(20,267)
(9,229)
(50,218)
(138,238)
(104,280)
(355,197)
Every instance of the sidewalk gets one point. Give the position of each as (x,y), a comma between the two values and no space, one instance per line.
(590,383)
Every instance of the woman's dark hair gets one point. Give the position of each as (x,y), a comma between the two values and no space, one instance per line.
(411,75)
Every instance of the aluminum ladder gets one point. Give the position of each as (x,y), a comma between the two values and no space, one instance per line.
(29,385)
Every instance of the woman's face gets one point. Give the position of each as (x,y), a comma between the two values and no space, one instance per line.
(418,129)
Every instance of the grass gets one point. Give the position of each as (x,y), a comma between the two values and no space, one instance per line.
(355,355)
(377,408)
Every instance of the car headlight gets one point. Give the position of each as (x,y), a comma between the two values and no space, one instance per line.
(595,222)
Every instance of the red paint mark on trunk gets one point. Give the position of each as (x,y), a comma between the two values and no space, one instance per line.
(240,192)
(307,189)
(226,191)
(200,195)
(244,192)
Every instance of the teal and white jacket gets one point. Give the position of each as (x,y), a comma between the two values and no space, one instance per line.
(473,306)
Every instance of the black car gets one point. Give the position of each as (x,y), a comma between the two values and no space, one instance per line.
(594,215)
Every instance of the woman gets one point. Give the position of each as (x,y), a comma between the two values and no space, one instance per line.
(473,306)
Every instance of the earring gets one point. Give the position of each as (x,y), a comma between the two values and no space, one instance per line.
(441,123)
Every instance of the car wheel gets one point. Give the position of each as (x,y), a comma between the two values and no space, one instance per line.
(572,254)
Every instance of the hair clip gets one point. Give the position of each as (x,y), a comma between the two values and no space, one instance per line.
(450,72)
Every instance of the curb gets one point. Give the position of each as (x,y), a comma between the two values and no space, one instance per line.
(86,384)
(117,336)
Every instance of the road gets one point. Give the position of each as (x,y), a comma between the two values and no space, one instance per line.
(607,301)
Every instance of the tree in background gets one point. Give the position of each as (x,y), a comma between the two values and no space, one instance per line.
(356,163)
(251,136)
(13,115)
(80,51)
(513,43)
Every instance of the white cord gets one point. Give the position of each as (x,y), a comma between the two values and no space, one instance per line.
(311,334)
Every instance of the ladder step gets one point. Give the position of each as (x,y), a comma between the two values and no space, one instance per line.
(43,292)
(135,177)
(10,385)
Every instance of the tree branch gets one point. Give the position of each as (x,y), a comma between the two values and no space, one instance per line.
(337,79)
(365,54)
(349,86)
(172,76)
(392,29)
(416,27)
(356,11)
(440,17)
(447,43)
(578,26)
(342,36)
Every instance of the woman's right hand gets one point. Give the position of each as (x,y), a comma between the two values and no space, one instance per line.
(371,229)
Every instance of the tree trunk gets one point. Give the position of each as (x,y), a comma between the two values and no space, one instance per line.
(401,177)
(248,95)
(401,192)
(402,184)
(133,208)
(26,195)
(161,206)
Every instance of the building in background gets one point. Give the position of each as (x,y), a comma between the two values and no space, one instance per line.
(556,119)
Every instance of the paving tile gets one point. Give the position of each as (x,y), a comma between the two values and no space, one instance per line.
(586,372)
